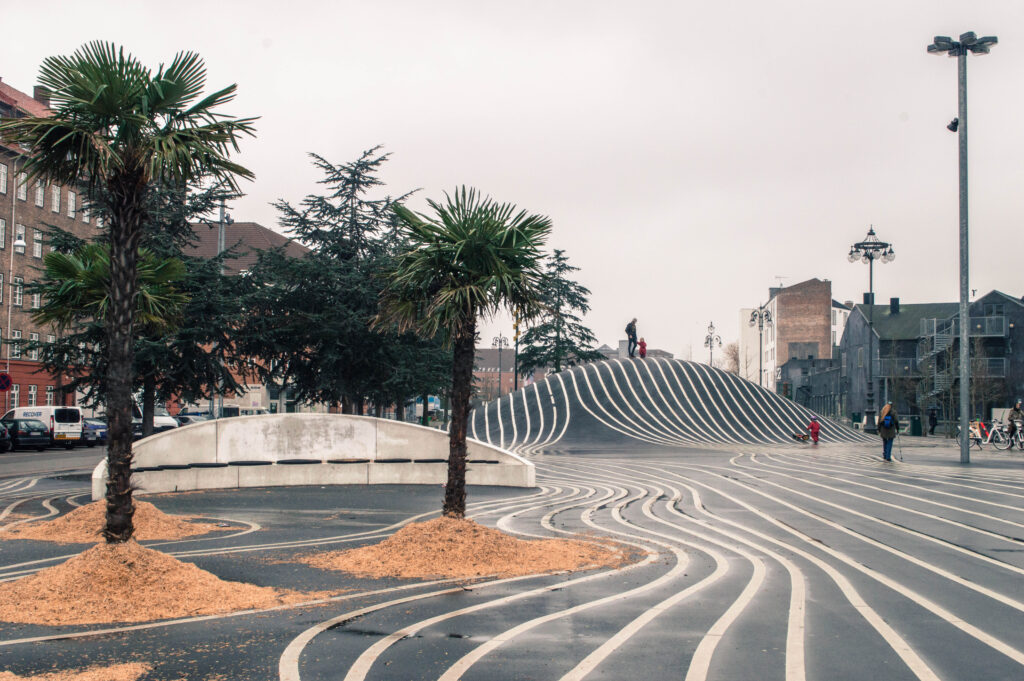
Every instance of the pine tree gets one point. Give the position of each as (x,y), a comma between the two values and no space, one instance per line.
(559,339)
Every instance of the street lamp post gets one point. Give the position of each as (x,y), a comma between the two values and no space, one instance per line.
(515,360)
(868,251)
(499,342)
(709,343)
(224,221)
(18,242)
(969,42)
(760,317)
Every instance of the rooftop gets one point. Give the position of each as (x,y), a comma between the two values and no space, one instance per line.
(247,238)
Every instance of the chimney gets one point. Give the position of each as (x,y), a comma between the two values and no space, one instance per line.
(869,298)
(848,303)
(41,95)
(894,306)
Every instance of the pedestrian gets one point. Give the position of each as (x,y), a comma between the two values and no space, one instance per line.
(1012,418)
(631,337)
(643,348)
(815,428)
(933,420)
(888,426)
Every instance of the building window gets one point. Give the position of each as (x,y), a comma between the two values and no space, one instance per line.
(49,396)
(71,205)
(31,396)
(50,338)
(15,395)
(860,357)
(33,353)
(16,293)
(40,194)
(22,187)
(3,178)
(37,299)
(833,338)
(37,243)
(85,215)
(55,198)
(15,344)
(19,234)
(3,233)
(1,288)
(833,317)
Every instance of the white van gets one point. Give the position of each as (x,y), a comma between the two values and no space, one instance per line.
(64,423)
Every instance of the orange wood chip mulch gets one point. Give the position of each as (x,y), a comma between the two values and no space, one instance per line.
(449,547)
(84,524)
(119,672)
(129,583)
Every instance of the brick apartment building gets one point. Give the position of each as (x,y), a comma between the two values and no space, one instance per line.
(805,324)
(247,239)
(25,212)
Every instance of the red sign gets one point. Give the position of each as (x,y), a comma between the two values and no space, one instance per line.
(5,382)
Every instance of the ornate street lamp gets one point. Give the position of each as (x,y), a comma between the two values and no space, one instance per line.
(709,343)
(761,317)
(868,251)
(969,42)
(499,342)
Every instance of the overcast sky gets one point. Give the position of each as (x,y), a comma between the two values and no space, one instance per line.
(690,154)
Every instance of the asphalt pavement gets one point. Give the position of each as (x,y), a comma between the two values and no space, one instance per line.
(765,562)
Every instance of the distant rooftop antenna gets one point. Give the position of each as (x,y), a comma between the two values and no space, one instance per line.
(780,278)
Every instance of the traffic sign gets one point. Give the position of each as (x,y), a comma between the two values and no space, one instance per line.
(5,382)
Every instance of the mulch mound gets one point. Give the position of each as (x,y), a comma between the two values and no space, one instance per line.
(84,524)
(129,583)
(449,547)
(119,672)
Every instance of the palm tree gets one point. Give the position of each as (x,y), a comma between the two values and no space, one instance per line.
(474,257)
(122,130)
(75,288)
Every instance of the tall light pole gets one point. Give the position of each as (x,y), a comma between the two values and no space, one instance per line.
(969,42)
(761,317)
(499,342)
(16,243)
(224,221)
(868,251)
(515,360)
(709,343)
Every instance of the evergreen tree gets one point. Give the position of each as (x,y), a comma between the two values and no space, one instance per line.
(310,316)
(559,339)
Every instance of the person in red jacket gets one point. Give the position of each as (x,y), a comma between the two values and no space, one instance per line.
(814,428)
(643,348)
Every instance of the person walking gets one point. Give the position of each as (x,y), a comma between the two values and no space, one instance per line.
(933,420)
(643,348)
(631,337)
(888,427)
(815,428)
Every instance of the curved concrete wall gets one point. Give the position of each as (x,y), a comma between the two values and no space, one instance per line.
(341,450)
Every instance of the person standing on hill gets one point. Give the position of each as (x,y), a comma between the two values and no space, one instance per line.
(643,348)
(888,427)
(631,336)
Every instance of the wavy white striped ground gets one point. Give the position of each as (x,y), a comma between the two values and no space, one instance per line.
(658,402)
(774,564)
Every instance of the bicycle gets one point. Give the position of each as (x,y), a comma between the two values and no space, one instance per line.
(976,432)
(1016,439)
(997,436)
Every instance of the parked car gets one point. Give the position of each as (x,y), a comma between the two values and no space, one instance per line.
(5,439)
(94,432)
(189,419)
(27,433)
(63,424)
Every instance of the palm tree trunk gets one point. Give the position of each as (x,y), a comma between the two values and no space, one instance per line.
(462,386)
(124,233)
